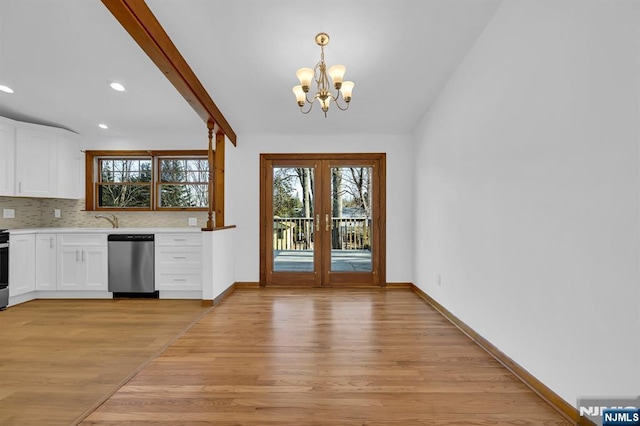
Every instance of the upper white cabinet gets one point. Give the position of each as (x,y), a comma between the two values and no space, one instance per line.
(7,156)
(36,163)
(69,158)
(39,161)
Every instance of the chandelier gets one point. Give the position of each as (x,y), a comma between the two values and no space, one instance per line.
(323,89)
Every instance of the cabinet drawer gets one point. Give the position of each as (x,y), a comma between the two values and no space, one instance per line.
(178,257)
(82,239)
(191,240)
(178,279)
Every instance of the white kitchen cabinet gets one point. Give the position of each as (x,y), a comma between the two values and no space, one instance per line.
(7,159)
(36,163)
(82,262)
(46,262)
(22,263)
(39,161)
(69,179)
(178,259)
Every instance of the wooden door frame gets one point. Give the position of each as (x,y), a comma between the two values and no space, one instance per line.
(379,237)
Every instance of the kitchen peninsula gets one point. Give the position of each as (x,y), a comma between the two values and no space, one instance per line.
(68,263)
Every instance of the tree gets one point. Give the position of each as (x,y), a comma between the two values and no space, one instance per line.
(173,171)
(285,201)
(357,183)
(337,193)
(125,183)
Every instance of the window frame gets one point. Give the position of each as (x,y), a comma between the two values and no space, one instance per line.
(159,182)
(92,171)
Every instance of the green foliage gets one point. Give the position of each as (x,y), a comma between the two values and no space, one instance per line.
(285,200)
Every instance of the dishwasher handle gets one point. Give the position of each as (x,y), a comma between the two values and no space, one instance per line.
(130,237)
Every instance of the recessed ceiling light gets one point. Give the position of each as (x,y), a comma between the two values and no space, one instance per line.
(117,87)
(103,126)
(6,89)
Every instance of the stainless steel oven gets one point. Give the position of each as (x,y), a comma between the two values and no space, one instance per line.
(4,269)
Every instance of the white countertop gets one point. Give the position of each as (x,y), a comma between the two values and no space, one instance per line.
(105,230)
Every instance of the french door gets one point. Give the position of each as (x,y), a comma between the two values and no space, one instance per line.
(322,219)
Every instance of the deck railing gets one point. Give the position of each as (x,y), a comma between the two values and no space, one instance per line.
(296,233)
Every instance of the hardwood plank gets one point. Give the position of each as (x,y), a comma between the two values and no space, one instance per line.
(324,357)
(61,358)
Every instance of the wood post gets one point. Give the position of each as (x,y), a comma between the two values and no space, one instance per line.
(219,179)
(210,222)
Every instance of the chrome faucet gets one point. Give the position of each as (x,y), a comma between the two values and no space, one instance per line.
(111,218)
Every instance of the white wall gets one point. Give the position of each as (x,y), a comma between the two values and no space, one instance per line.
(527,190)
(218,272)
(242,192)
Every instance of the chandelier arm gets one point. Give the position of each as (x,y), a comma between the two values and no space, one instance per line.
(340,108)
(337,98)
(307,111)
(309,101)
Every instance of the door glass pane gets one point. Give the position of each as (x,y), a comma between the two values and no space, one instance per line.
(293,221)
(351,230)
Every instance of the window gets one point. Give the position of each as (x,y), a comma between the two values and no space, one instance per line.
(154,180)
(184,182)
(124,183)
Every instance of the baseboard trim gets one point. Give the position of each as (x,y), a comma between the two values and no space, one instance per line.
(391,286)
(224,294)
(247,284)
(550,397)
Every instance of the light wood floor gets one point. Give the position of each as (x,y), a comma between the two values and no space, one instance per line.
(60,358)
(324,357)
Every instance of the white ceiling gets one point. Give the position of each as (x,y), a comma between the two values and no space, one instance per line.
(60,56)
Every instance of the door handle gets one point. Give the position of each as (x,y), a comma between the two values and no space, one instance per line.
(318,223)
(50,242)
(326,221)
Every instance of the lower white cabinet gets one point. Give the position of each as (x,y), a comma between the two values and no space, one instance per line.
(82,262)
(22,263)
(46,262)
(178,259)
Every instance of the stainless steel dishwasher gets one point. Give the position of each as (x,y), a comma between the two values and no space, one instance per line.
(131,265)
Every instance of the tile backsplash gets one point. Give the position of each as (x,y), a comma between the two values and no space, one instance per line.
(39,213)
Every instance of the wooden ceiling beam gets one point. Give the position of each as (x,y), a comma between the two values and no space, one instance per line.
(136,17)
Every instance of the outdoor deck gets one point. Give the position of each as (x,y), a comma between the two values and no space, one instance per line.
(302,260)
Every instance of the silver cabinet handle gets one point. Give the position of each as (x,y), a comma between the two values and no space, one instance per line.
(318,223)
(77,258)
(19,187)
(179,257)
(50,242)
(179,239)
(179,279)
(326,221)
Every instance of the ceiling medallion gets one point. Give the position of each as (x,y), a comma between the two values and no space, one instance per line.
(323,89)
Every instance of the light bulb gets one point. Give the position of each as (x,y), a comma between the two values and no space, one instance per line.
(305,75)
(347,88)
(300,96)
(336,73)
(324,103)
